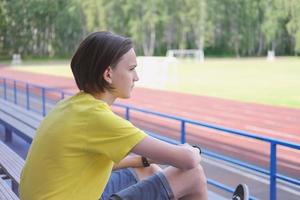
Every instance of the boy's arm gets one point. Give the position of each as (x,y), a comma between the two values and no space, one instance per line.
(180,156)
(129,161)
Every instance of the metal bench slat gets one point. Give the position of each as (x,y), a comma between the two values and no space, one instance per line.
(11,162)
(17,125)
(8,106)
(11,169)
(6,193)
(19,115)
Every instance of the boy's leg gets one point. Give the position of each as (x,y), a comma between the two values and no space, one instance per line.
(189,184)
(119,180)
(182,184)
(124,178)
(171,183)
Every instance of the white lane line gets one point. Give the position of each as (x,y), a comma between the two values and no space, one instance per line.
(273,132)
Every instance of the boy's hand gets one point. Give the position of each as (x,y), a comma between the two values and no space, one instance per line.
(198,147)
(195,150)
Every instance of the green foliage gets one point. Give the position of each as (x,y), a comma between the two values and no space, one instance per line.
(42,28)
(2,28)
(293,25)
(219,27)
(68,28)
(274,18)
(95,15)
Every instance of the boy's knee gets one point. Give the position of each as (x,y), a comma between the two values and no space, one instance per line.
(200,177)
(200,170)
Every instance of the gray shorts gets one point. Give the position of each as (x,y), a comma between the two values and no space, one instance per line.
(124,185)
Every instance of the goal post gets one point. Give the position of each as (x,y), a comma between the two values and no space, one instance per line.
(196,54)
(16,59)
(271,56)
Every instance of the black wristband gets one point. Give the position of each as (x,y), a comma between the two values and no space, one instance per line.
(198,147)
(145,161)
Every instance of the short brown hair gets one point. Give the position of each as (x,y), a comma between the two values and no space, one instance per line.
(95,54)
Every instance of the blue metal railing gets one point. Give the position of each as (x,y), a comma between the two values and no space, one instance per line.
(273,147)
(31,91)
(274,143)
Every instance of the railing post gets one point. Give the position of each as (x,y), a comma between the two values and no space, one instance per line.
(273,172)
(27,97)
(15,92)
(127,113)
(8,134)
(182,131)
(62,94)
(44,101)
(4,88)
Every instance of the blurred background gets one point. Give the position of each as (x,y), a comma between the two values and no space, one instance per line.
(243,50)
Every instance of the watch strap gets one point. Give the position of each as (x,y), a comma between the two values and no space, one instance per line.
(145,162)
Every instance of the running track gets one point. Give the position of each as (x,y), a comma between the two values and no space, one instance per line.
(275,122)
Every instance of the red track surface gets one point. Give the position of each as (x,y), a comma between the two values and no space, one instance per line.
(270,121)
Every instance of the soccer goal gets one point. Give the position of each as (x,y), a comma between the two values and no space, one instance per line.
(186,53)
(271,56)
(16,59)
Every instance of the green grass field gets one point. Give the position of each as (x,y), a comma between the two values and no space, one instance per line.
(249,80)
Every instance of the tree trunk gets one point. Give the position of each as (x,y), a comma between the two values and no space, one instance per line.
(149,42)
(237,47)
(261,44)
(169,36)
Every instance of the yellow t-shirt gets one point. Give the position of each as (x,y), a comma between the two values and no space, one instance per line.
(72,154)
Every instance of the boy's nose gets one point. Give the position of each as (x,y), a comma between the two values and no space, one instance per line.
(136,77)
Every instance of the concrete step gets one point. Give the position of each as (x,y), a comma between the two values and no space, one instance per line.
(215,196)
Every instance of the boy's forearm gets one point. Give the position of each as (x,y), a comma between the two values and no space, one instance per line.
(129,161)
(183,157)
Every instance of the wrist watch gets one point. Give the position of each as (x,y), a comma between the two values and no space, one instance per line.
(145,161)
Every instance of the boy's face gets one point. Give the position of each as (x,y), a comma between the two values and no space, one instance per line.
(124,75)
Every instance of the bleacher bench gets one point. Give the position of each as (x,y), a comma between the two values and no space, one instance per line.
(20,121)
(11,164)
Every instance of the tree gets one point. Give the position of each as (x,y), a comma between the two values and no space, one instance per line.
(69,28)
(143,23)
(272,25)
(243,28)
(293,26)
(95,14)
(3,27)
(201,25)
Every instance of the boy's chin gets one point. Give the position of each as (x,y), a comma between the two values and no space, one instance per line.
(127,96)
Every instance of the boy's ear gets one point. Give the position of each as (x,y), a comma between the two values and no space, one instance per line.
(107,75)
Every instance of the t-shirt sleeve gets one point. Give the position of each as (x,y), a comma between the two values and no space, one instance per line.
(111,135)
